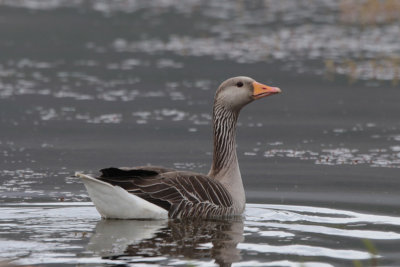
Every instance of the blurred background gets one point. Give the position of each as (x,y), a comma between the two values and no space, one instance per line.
(89,84)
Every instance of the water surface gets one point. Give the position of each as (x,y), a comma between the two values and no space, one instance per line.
(276,235)
(89,84)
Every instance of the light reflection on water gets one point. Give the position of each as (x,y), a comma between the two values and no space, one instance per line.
(119,96)
(73,233)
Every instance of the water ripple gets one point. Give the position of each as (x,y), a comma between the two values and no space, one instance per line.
(72,233)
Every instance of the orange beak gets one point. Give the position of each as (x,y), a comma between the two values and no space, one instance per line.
(261,90)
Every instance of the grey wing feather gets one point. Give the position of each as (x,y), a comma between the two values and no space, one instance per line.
(189,194)
(183,194)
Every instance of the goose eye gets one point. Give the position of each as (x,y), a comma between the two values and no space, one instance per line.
(239,84)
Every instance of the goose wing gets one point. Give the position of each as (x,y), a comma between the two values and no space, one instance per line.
(182,194)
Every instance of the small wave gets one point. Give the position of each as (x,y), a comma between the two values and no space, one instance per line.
(325,236)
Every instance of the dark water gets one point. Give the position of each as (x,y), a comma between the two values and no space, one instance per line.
(91,84)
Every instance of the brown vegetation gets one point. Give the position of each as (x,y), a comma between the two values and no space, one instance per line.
(366,12)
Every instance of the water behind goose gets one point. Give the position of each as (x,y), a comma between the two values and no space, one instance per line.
(133,84)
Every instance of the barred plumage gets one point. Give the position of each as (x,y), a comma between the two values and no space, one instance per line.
(184,194)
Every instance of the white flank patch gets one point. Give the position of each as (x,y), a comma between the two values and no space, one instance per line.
(113,202)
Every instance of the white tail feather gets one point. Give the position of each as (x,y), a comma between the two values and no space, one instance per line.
(115,202)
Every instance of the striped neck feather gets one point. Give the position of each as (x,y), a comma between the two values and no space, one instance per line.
(224,156)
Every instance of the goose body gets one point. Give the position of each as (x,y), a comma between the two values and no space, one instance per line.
(152,192)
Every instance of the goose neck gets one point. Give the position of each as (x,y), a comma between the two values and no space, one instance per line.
(224,155)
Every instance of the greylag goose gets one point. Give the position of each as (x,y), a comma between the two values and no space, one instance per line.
(155,192)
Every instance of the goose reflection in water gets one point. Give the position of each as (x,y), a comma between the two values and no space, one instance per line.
(140,240)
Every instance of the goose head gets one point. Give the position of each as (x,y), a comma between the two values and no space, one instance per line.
(237,92)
